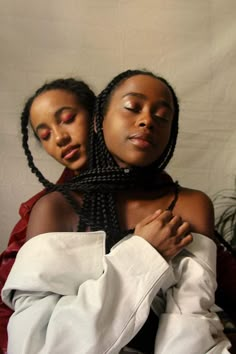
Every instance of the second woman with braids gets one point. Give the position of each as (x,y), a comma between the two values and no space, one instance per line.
(92,291)
(59,113)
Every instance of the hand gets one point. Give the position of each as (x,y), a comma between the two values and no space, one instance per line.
(168,234)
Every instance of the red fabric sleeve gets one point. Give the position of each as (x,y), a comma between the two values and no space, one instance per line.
(7,258)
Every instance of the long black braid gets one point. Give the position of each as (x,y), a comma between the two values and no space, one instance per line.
(100,199)
(102,180)
(85,97)
(102,105)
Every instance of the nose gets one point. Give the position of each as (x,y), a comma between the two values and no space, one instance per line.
(145,120)
(62,137)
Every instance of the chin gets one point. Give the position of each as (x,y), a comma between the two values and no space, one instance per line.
(77,167)
(141,160)
(142,163)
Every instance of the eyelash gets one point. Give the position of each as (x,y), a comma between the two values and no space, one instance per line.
(68,119)
(44,137)
(156,117)
(133,109)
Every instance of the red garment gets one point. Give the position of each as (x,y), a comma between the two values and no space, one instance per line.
(7,258)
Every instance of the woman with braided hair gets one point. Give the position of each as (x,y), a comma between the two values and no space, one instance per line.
(59,113)
(105,292)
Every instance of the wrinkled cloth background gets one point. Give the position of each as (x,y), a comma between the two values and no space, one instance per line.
(191,43)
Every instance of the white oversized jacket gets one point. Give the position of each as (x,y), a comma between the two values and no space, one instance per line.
(70,297)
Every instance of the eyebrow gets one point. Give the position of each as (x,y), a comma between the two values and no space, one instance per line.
(56,114)
(141,95)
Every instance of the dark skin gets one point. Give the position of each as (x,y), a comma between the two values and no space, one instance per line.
(136,129)
(137,206)
(61,124)
(199,219)
(59,216)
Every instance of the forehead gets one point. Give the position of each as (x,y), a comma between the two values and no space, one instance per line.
(53,99)
(149,86)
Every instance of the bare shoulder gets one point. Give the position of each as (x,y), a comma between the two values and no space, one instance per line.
(51,213)
(197,208)
(51,202)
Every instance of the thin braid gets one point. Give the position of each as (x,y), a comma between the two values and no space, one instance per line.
(85,97)
(103,179)
(170,148)
(102,104)
(25,145)
(106,177)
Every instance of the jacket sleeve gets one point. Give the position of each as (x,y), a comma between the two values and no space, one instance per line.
(188,324)
(69,297)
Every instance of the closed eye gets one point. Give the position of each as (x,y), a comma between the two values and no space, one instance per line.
(133,109)
(68,118)
(44,135)
(160,118)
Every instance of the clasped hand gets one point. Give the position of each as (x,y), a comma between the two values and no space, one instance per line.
(167,233)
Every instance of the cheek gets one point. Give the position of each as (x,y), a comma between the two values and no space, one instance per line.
(80,137)
(164,135)
(49,148)
(113,128)
(79,131)
(108,125)
(111,137)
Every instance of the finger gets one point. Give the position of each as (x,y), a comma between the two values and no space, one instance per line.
(185,240)
(175,223)
(158,212)
(183,229)
(151,217)
(166,216)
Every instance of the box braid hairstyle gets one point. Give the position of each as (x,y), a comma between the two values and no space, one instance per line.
(85,97)
(99,204)
(104,178)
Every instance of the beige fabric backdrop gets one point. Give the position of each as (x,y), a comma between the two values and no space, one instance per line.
(192,43)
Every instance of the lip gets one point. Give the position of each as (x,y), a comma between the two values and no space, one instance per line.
(141,140)
(70,152)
